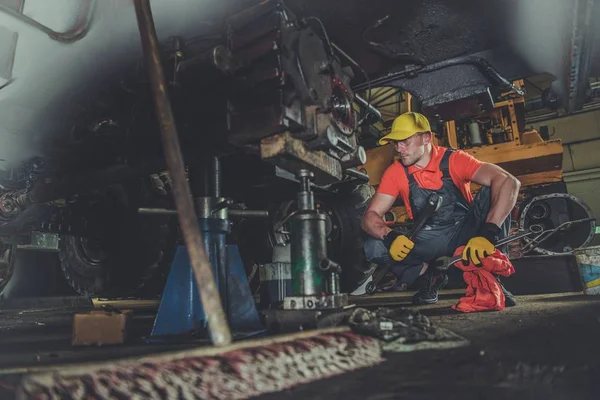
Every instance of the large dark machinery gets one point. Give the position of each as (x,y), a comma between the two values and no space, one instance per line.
(267,89)
(284,98)
(289,93)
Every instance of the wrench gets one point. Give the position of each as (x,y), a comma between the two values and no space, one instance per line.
(434,202)
(445,262)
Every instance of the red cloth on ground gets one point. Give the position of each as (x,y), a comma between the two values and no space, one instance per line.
(483,290)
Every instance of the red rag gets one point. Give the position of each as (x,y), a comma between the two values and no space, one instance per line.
(483,290)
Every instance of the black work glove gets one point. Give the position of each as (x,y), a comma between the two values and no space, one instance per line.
(389,238)
(491,232)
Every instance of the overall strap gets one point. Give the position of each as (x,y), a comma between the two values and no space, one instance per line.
(444,167)
(445,164)
(410,177)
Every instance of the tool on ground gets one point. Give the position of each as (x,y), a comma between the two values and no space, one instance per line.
(443,263)
(434,202)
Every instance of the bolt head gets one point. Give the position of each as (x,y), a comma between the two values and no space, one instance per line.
(304,173)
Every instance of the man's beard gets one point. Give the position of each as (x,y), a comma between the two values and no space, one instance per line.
(408,161)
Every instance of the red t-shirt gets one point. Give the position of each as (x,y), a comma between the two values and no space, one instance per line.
(462,167)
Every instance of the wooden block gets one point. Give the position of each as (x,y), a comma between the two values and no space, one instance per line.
(100,327)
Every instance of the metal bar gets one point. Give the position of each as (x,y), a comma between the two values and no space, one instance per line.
(248,213)
(232,213)
(393,103)
(216,170)
(157,211)
(368,106)
(395,92)
(361,176)
(209,294)
(392,78)
(77,32)
(443,263)
(544,235)
(383,93)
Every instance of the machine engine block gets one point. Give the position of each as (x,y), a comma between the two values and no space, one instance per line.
(289,94)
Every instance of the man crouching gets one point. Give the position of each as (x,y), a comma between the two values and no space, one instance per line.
(422,169)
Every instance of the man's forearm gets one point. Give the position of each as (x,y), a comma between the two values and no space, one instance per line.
(374,225)
(504,197)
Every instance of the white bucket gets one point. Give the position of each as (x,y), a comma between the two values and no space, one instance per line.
(588,261)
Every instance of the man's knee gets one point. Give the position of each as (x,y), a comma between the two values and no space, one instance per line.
(375,251)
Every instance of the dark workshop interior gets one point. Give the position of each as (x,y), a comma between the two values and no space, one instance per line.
(277,199)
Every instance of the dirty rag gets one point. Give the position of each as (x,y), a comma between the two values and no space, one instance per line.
(483,290)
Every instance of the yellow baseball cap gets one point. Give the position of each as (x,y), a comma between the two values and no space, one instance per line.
(405,126)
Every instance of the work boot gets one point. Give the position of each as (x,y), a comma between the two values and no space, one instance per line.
(430,284)
(509,298)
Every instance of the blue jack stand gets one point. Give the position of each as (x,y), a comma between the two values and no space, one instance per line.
(181,311)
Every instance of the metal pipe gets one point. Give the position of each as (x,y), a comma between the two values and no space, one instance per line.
(77,32)
(395,92)
(368,106)
(232,213)
(157,211)
(361,176)
(220,205)
(334,283)
(209,294)
(216,169)
(248,213)
(415,71)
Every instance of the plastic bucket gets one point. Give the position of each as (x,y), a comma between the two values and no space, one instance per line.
(588,261)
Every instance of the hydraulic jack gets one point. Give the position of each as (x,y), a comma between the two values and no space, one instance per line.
(315,278)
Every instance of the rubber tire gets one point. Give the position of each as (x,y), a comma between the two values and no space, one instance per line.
(349,253)
(137,251)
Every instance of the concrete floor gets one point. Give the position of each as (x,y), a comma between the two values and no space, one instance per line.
(545,348)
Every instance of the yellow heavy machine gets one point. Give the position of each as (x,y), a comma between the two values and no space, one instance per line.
(499,136)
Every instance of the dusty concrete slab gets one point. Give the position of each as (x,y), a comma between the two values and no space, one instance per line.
(545,348)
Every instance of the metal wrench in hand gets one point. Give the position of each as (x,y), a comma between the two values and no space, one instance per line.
(443,263)
(434,202)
